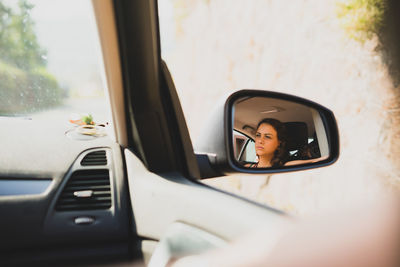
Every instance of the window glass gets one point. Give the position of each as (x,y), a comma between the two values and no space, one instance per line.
(239,141)
(249,152)
(331,52)
(50,62)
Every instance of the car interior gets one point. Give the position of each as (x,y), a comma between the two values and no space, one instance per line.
(134,194)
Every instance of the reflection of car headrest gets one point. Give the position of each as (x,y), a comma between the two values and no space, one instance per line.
(297,134)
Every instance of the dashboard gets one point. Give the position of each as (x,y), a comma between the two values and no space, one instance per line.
(61,200)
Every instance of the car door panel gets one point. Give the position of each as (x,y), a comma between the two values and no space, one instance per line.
(182,239)
(159,200)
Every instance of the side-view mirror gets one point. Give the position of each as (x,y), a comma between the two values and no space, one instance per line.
(267,132)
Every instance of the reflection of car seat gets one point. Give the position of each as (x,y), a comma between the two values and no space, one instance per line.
(297,135)
(313,148)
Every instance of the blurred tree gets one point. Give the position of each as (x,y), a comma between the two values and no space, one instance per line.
(18,42)
(362,19)
(25,83)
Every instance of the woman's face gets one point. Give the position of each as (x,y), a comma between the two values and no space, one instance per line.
(266,140)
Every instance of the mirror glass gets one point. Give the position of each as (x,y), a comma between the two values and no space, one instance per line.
(270,132)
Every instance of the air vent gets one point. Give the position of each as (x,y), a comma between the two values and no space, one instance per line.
(86,190)
(96,158)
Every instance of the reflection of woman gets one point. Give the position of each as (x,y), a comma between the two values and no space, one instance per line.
(270,144)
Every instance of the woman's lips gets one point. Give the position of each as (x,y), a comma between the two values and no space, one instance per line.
(259,147)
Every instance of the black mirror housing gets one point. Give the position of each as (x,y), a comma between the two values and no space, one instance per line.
(233,125)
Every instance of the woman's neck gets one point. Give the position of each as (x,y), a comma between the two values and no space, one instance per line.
(264,161)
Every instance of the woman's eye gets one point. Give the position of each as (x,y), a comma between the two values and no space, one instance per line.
(258,135)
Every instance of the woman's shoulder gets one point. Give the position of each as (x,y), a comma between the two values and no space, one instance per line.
(298,162)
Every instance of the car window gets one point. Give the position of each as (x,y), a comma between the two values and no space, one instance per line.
(51,69)
(239,140)
(327,51)
(244,148)
(248,153)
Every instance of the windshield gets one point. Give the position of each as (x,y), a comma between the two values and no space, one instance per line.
(50,61)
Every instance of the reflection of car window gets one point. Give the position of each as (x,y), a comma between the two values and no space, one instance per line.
(249,152)
(49,61)
(239,141)
(244,149)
